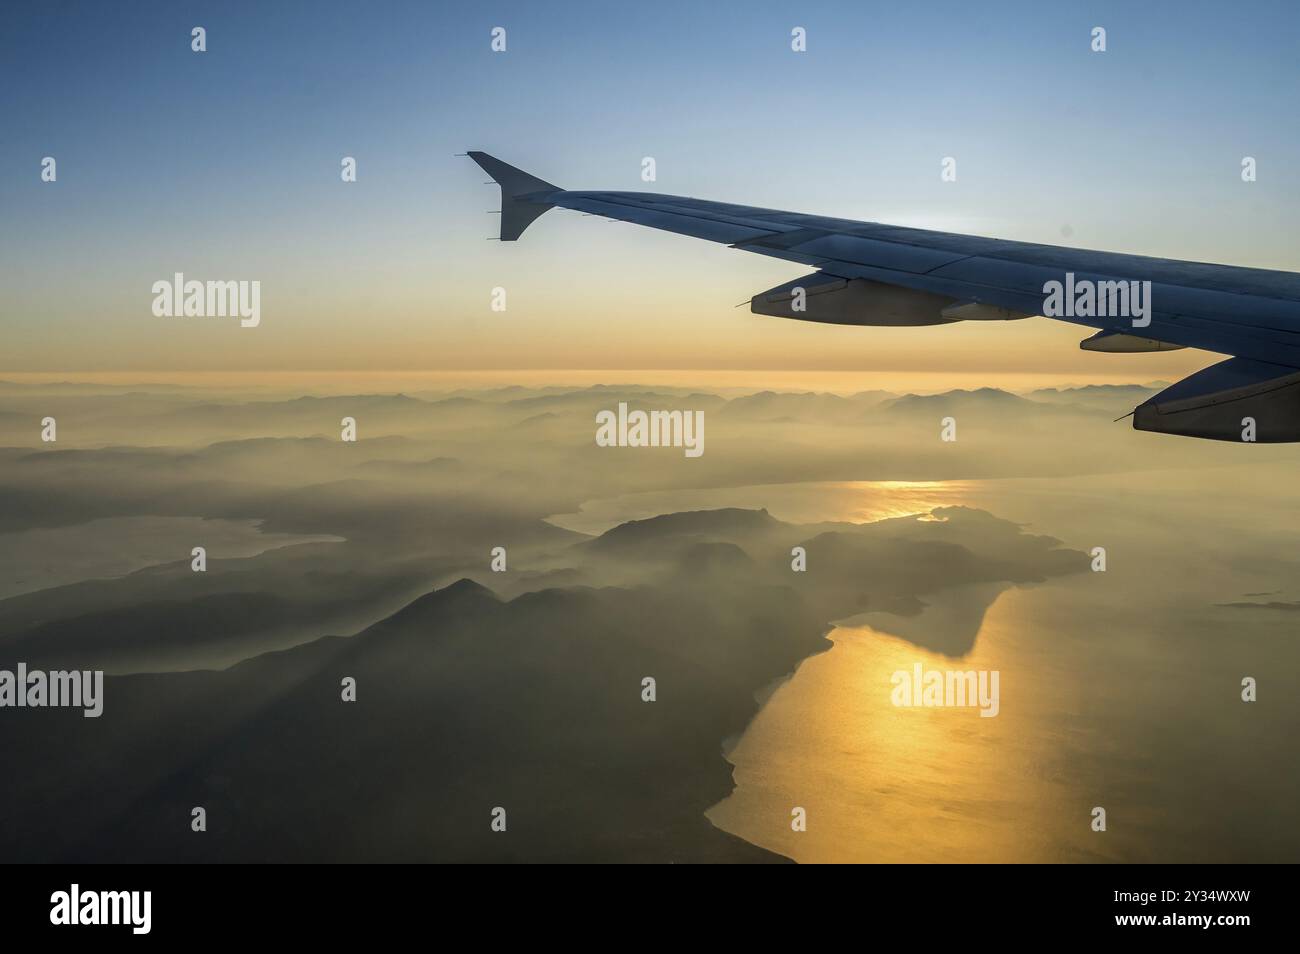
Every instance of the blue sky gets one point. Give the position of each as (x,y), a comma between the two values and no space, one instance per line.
(226,163)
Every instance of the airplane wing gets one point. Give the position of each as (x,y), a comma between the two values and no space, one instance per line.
(868,273)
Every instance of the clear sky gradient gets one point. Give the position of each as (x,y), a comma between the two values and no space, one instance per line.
(225,165)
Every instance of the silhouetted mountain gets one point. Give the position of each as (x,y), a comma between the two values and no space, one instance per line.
(726,522)
(169,617)
(537,419)
(464,703)
(1111,397)
(951,402)
(711,559)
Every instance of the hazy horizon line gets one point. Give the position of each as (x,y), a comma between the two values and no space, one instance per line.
(717,378)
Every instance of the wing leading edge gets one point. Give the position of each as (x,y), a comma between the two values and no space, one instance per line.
(872,273)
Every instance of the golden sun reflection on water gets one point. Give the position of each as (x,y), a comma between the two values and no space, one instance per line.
(856,501)
(862,501)
(1117,689)
(894,784)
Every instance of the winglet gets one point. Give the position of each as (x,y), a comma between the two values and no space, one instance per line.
(523,197)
